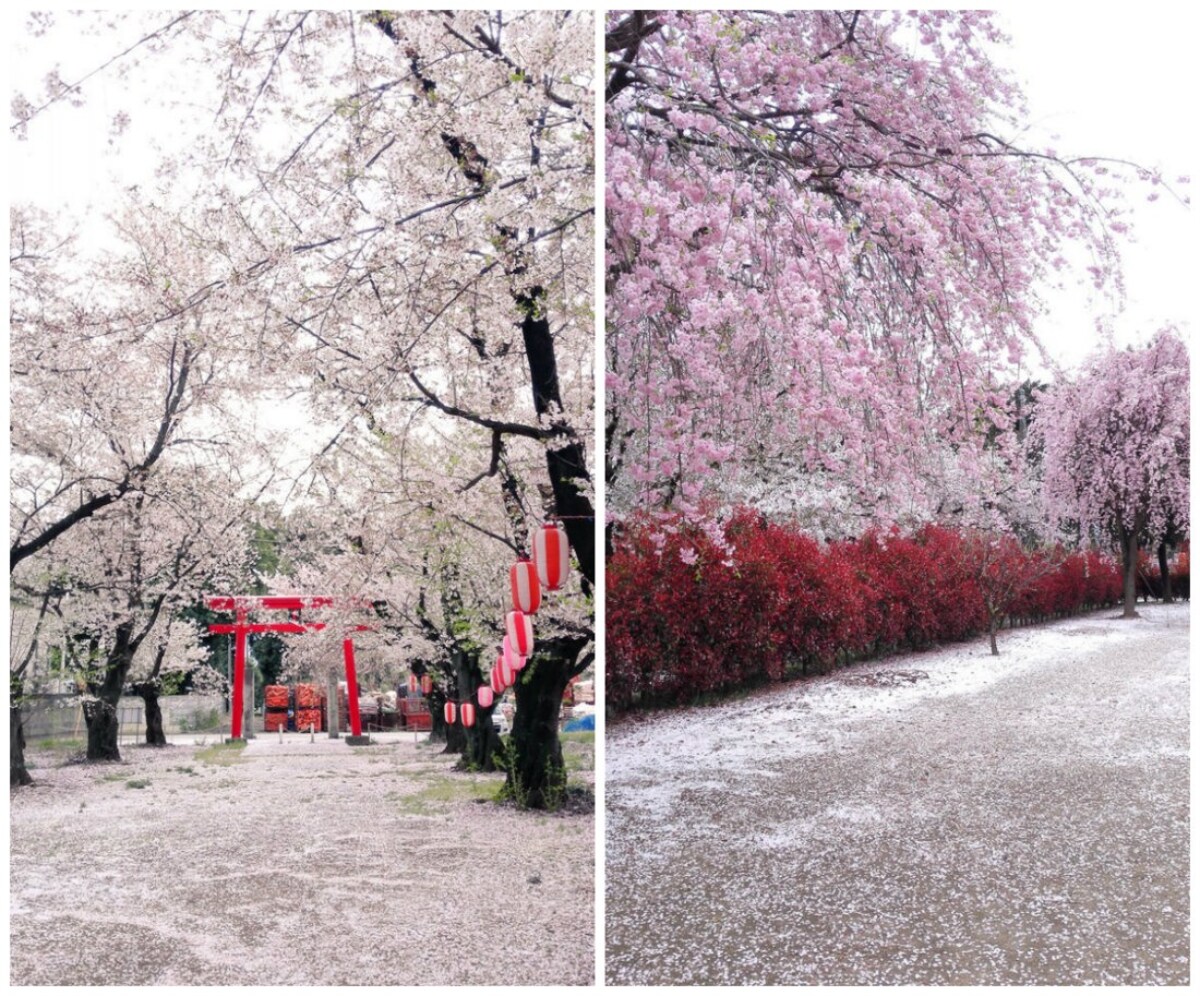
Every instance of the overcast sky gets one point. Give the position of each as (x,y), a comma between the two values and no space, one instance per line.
(1106,86)
(1122,87)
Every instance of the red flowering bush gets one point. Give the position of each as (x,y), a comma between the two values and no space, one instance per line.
(687,617)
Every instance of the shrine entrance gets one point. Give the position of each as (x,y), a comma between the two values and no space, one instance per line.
(243,606)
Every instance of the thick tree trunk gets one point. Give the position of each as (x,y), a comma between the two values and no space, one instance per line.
(1164,570)
(993,625)
(438,731)
(537,776)
(155,737)
(1129,545)
(18,774)
(480,741)
(456,738)
(100,712)
(102,728)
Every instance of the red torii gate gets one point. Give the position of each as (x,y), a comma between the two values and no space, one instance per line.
(242,605)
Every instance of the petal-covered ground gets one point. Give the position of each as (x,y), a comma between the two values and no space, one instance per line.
(945,817)
(294,863)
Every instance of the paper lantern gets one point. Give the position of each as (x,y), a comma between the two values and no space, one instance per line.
(507,674)
(521,662)
(485,696)
(496,680)
(511,657)
(448,712)
(526,592)
(414,683)
(426,684)
(520,634)
(551,555)
(468,714)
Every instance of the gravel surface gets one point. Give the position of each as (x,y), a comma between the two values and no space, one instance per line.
(297,863)
(1021,819)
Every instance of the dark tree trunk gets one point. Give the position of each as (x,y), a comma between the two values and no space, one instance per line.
(993,625)
(1129,544)
(100,712)
(456,738)
(438,731)
(18,774)
(102,728)
(537,777)
(480,742)
(1164,571)
(566,463)
(148,690)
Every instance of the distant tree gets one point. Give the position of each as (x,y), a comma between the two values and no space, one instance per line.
(1003,572)
(1115,445)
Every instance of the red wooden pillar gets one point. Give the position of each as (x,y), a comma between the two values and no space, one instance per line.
(352,688)
(239,674)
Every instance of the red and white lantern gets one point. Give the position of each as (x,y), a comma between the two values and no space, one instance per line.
(551,554)
(485,696)
(413,683)
(426,685)
(468,714)
(507,674)
(448,712)
(526,592)
(496,679)
(521,661)
(511,657)
(519,628)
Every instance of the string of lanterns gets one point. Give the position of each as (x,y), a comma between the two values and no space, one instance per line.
(548,570)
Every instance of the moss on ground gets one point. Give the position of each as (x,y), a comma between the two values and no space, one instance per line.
(440,792)
(222,754)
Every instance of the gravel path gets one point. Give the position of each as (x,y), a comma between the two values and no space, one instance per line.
(938,818)
(298,863)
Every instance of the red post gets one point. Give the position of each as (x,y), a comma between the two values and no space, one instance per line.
(352,687)
(239,674)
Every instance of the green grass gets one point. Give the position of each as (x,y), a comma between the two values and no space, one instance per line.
(441,792)
(579,751)
(137,783)
(58,743)
(222,754)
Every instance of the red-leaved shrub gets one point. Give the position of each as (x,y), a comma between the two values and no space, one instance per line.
(687,617)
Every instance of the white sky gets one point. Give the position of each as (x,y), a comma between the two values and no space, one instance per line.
(1100,85)
(1121,85)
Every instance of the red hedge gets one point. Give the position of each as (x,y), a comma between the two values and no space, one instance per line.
(775,602)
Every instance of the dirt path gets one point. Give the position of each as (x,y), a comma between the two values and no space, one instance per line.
(976,820)
(292,864)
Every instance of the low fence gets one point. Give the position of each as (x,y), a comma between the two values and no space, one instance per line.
(61,716)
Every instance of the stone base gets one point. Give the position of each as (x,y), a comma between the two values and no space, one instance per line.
(359,741)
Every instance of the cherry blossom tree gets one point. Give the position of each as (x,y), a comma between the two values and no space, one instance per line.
(1115,444)
(825,241)
(122,573)
(395,215)
(404,525)
(26,629)
(173,650)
